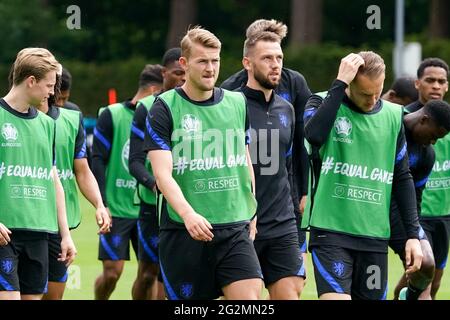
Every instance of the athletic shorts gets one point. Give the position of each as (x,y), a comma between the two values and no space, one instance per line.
(148,234)
(115,245)
(361,274)
(24,263)
(438,234)
(280,258)
(57,270)
(301,233)
(398,239)
(197,270)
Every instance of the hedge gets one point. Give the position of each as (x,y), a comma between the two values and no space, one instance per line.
(319,65)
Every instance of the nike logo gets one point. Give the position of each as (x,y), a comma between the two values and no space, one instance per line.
(321,236)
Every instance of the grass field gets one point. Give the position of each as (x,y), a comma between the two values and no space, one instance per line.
(86,267)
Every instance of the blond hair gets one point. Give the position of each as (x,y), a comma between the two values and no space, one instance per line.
(35,62)
(200,36)
(373,64)
(262,25)
(264,30)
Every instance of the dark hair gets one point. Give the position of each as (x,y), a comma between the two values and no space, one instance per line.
(439,111)
(152,74)
(404,87)
(431,62)
(66,80)
(171,55)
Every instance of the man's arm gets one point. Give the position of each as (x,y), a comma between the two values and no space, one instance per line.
(404,193)
(253,222)
(137,154)
(89,188)
(68,250)
(421,175)
(197,226)
(101,150)
(300,154)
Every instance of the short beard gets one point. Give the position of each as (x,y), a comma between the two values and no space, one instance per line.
(265,82)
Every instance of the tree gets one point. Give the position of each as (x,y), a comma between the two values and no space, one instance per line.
(306,22)
(182,14)
(439,19)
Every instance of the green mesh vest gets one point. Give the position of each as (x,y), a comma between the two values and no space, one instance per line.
(28,198)
(436,196)
(120,185)
(144,193)
(209,157)
(67,126)
(354,189)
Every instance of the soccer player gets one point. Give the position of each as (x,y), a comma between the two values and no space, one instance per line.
(148,229)
(402,91)
(197,146)
(422,128)
(32,202)
(70,147)
(62,99)
(117,186)
(432,84)
(293,88)
(349,211)
(272,121)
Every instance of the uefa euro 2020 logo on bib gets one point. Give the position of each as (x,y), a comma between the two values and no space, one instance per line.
(126,154)
(190,124)
(343,126)
(9,132)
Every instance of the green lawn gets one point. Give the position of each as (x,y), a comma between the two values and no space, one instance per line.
(88,267)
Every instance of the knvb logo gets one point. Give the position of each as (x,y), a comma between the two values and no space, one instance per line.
(283,119)
(7,266)
(186,290)
(338,268)
(9,132)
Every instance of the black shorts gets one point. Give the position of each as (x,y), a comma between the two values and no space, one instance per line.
(115,245)
(24,263)
(361,274)
(57,270)
(197,270)
(438,234)
(397,241)
(302,242)
(280,258)
(148,234)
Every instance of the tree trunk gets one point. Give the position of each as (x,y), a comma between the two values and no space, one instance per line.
(183,13)
(306,22)
(439,15)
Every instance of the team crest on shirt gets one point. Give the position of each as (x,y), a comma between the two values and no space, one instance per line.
(7,266)
(286,96)
(283,119)
(154,240)
(10,134)
(190,123)
(338,268)
(126,154)
(186,290)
